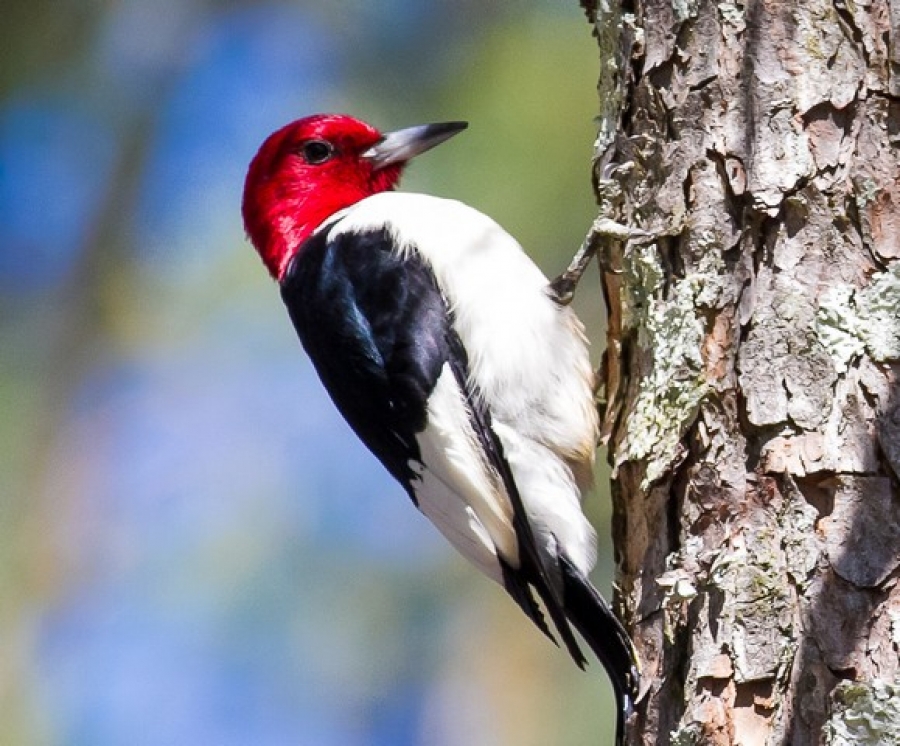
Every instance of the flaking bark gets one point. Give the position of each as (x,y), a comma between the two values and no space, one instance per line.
(751,396)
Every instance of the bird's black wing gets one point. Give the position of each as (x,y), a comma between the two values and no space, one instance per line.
(379,333)
(375,326)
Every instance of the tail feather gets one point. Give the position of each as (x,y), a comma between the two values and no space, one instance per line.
(517,587)
(589,613)
(577,602)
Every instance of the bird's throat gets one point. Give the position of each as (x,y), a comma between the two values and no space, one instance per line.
(280,232)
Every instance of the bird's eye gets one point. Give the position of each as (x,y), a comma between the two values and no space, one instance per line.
(315,152)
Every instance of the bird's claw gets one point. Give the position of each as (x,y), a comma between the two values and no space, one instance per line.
(603,230)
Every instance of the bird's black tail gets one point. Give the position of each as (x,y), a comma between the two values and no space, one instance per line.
(578,603)
(589,613)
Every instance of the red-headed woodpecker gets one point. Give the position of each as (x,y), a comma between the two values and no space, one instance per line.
(443,346)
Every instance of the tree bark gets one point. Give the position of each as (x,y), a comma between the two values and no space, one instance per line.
(750,383)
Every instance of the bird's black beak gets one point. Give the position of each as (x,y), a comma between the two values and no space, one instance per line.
(401,145)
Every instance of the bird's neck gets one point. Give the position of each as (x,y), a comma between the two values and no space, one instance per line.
(280,227)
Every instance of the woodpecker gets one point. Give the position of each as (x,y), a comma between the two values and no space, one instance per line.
(445,349)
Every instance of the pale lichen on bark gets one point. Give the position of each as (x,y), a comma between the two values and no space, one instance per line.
(670,331)
(864,715)
(853,322)
(607,22)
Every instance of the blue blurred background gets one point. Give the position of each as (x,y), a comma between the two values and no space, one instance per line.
(193,547)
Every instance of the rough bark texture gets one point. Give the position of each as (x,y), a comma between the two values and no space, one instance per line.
(752,403)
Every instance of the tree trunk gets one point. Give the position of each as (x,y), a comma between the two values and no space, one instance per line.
(751,394)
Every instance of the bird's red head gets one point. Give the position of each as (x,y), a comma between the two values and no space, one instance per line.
(314,167)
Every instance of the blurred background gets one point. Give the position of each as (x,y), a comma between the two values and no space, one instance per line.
(194,549)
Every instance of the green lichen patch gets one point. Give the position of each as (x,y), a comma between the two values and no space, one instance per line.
(686,735)
(672,386)
(864,714)
(755,622)
(853,322)
(684,9)
(732,13)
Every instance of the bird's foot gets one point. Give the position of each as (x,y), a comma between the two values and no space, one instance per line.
(603,232)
